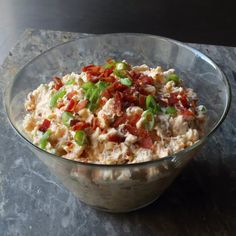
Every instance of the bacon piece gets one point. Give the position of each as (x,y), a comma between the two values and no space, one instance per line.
(109,79)
(120,120)
(142,101)
(184,100)
(117,86)
(58,83)
(71,94)
(116,138)
(92,70)
(106,94)
(134,119)
(69,143)
(134,75)
(107,72)
(81,105)
(95,123)
(102,101)
(131,129)
(70,106)
(118,103)
(172,100)
(187,112)
(146,79)
(80,125)
(86,68)
(45,125)
(146,142)
(73,122)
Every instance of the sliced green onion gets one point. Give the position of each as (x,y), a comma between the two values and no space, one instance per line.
(120,73)
(87,85)
(93,91)
(149,120)
(171,110)
(80,137)
(173,77)
(70,82)
(44,140)
(126,81)
(58,94)
(101,85)
(202,109)
(66,116)
(121,66)
(152,105)
(94,95)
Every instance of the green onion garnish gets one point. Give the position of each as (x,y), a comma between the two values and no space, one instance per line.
(126,81)
(152,105)
(121,66)
(58,94)
(80,137)
(120,73)
(70,82)
(66,116)
(44,140)
(93,91)
(171,110)
(87,85)
(173,77)
(101,85)
(149,120)
(202,109)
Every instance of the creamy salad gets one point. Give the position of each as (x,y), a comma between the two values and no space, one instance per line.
(114,113)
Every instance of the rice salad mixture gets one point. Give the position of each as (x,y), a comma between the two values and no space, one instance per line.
(114,113)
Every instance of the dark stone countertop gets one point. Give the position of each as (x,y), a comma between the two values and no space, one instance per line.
(202,200)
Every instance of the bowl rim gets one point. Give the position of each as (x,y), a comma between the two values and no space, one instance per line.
(131,165)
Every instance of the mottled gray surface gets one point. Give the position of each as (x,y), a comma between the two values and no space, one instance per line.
(200,202)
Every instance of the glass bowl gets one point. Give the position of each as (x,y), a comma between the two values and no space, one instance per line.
(121,188)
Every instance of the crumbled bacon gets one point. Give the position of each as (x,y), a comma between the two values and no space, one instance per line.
(146,142)
(95,123)
(92,70)
(184,100)
(80,125)
(117,86)
(109,79)
(45,125)
(146,79)
(142,101)
(73,122)
(134,119)
(57,83)
(107,72)
(176,97)
(187,112)
(70,106)
(118,103)
(106,94)
(172,100)
(80,105)
(120,120)
(134,75)
(71,94)
(116,138)
(69,143)
(132,130)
